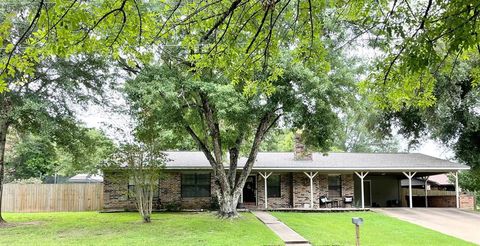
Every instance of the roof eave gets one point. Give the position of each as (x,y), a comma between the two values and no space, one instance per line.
(393,169)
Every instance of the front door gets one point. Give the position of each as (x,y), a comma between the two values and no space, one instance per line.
(249,190)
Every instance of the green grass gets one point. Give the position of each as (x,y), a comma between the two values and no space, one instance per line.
(378,229)
(91,228)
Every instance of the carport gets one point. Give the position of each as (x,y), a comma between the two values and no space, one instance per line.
(381,187)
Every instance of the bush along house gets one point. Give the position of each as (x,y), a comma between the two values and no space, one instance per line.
(297,179)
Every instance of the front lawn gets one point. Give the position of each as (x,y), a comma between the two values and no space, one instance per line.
(92,228)
(378,229)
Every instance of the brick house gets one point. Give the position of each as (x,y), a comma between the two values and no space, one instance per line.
(293,180)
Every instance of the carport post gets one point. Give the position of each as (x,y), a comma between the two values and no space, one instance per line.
(457,196)
(311,175)
(362,175)
(426,196)
(410,176)
(265,177)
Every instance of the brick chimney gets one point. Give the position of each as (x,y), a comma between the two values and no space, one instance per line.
(300,151)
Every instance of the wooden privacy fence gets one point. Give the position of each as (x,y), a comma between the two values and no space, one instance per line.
(52,197)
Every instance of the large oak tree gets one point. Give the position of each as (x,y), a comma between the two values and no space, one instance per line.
(222,119)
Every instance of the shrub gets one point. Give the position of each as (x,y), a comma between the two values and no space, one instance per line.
(173,206)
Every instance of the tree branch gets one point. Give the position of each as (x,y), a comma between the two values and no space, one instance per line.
(119,9)
(266,123)
(258,30)
(230,10)
(234,155)
(24,35)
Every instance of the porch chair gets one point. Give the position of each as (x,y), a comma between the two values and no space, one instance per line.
(324,201)
(347,200)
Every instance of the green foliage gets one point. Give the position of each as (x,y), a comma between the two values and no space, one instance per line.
(224,34)
(470,180)
(242,38)
(33,157)
(170,98)
(142,164)
(39,155)
(278,140)
(173,206)
(26,181)
(359,132)
(89,148)
(454,119)
(415,41)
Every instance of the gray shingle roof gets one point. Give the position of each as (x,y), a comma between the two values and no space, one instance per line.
(332,161)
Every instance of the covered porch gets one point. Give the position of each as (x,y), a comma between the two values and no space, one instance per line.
(334,190)
(300,190)
(339,180)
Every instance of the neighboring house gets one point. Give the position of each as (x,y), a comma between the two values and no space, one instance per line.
(436,191)
(85,178)
(188,181)
(434,182)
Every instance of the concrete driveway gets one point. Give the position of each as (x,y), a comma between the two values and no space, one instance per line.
(451,221)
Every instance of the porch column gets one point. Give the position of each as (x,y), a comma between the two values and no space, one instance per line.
(311,175)
(457,196)
(265,176)
(426,191)
(410,176)
(362,175)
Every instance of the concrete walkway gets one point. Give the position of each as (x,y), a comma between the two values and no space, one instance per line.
(289,236)
(450,221)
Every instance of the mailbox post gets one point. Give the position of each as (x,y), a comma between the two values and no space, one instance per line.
(357,221)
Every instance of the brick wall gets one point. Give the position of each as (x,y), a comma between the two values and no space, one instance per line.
(295,191)
(285,201)
(467,201)
(171,192)
(301,189)
(116,192)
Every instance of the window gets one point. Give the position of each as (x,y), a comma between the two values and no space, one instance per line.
(273,186)
(334,186)
(131,189)
(196,185)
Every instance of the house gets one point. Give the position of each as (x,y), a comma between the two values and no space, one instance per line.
(293,180)
(434,182)
(85,178)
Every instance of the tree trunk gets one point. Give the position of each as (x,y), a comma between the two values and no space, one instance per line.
(146,219)
(228,205)
(228,188)
(3,142)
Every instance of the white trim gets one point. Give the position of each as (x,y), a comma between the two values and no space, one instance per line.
(362,175)
(457,195)
(364,169)
(410,176)
(426,191)
(265,177)
(256,190)
(311,175)
(399,169)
